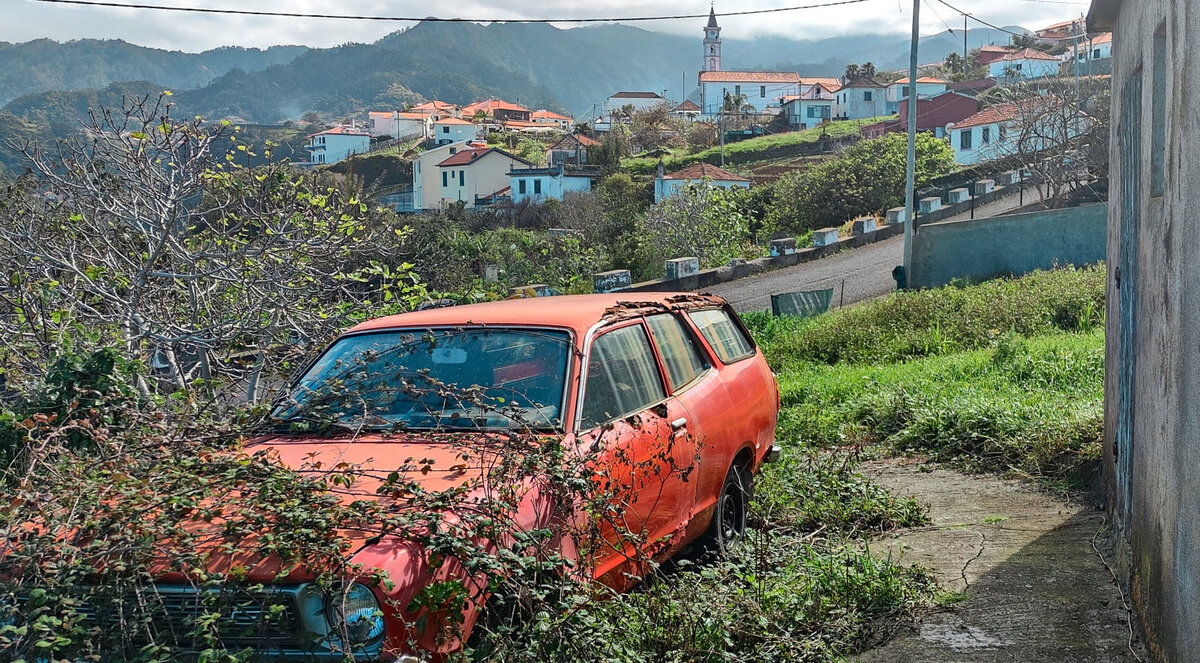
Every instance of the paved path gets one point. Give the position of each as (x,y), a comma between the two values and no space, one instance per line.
(1035,588)
(867,271)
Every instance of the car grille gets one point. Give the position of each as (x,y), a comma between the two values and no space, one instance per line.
(263,621)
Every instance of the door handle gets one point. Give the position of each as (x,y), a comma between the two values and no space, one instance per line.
(678,423)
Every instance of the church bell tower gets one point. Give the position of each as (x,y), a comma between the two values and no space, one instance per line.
(712,42)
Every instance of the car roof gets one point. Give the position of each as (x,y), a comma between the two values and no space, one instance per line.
(576,312)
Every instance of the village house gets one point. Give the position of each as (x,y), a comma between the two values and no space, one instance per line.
(1023,127)
(539,184)
(703,174)
(571,149)
(453,130)
(401,125)
(898,91)
(860,98)
(1064,31)
(336,144)
(552,119)
(497,109)
(427,181)
(639,101)
(761,90)
(1152,326)
(974,87)
(808,109)
(475,174)
(1025,64)
(983,135)
(437,109)
(933,114)
(1091,56)
(687,110)
(989,53)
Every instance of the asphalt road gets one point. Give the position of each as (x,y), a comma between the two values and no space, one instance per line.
(865,271)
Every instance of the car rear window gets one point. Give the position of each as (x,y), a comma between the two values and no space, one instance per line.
(677,347)
(622,377)
(723,334)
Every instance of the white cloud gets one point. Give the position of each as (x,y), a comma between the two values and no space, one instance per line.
(26,19)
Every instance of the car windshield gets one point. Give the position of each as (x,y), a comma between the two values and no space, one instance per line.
(471,378)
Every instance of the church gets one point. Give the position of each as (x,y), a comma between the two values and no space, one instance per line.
(762,90)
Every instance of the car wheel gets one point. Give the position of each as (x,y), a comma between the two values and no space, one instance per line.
(729,520)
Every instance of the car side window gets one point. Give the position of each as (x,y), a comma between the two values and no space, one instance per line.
(677,347)
(622,377)
(723,334)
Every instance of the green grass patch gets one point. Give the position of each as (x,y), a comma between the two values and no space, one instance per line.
(762,148)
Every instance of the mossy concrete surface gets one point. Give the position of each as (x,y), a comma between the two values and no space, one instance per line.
(1020,566)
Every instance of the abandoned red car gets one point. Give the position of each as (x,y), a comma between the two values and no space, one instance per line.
(670,381)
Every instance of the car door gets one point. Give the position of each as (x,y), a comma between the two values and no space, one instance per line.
(746,393)
(626,421)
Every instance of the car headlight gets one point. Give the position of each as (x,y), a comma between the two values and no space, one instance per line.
(357,610)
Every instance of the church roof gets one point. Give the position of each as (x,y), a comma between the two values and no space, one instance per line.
(712,17)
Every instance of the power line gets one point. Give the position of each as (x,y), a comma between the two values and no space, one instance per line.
(979,20)
(435,19)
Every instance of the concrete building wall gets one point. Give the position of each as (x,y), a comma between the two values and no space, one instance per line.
(1152,381)
(857,103)
(1024,69)
(544,186)
(665,188)
(1007,245)
(427,178)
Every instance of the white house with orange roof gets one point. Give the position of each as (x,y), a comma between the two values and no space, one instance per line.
(475,174)
(809,108)
(1028,126)
(437,109)
(336,144)
(701,174)
(453,130)
(897,91)
(761,89)
(497,109)
(1025,64)
(550,118)
(398,124)
(1092,48)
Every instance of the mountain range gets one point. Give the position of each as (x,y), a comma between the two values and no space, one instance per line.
(47,87)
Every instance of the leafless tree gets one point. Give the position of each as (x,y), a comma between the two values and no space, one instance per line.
(155,230)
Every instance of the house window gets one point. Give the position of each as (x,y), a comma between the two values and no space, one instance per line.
(964,139)
(1002,131)
(904,91)
(826,111)
(462,178)
(1096,54)
(814,111)
(1018,66)
(985,135)
(866,95)
(762,91)
(537,186)
(737,90)
(444,178)
(521,186)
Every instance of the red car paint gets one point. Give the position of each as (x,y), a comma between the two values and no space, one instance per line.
(724,416)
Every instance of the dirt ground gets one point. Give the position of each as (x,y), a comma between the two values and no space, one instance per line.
(1031,584)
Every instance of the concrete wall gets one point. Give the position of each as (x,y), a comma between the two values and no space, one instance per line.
(1002,245)
(1161,518)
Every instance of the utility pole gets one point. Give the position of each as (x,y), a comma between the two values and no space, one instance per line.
(964,47)
(910,170)
(721,130)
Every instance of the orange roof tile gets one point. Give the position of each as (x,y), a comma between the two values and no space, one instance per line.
(489,105)
(470,156)
(1028,54)
(341,131)
(923,79)
(829,82)
(687,106)
(1005,112)
(749,77)
(702,170)
(451,120)
(549,115)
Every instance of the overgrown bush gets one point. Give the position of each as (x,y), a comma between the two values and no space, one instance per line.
(866,178)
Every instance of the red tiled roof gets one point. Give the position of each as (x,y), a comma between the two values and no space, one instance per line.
(686,106)
(1028,54)
(585,141)
(489,105)
(341,131)
(830,82)
(434,105)
(749,77)
(391,115)
(1006,112)
(992,48)
(923,79)
(451,120)
(702,170)
(549,115)
(470,156)
(636,95)
(1101,39)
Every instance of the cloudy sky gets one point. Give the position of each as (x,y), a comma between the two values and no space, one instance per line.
(29,19)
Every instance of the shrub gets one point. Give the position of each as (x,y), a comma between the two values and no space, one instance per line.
(866,178)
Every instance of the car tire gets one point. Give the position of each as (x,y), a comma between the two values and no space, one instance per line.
(729,518)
